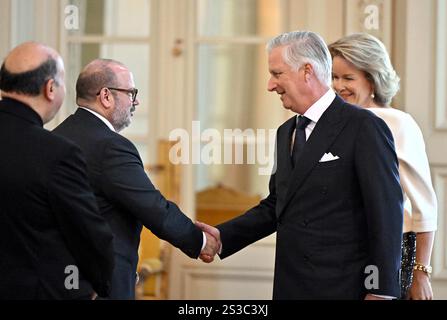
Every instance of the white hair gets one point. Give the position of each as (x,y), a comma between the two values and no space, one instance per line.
(305,47)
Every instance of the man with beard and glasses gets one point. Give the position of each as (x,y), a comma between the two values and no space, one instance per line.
(107,97)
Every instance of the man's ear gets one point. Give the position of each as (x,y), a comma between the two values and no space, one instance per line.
(49,89)
(106,98)
(308,71)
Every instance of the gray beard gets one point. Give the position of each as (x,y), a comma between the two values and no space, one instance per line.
(120,121)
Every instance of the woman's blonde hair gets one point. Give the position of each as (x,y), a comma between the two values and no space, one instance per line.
(368,54)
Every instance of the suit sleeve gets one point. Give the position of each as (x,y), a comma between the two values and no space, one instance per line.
(87,234)
(125,182)
(377,170)
(257,223)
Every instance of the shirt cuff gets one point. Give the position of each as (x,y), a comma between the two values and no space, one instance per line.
(204,241)
(383,297)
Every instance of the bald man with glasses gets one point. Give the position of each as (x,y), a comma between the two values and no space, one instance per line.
(107,97)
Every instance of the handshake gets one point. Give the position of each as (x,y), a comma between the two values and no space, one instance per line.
(213,242)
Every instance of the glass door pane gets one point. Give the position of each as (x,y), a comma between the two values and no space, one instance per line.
(231,94)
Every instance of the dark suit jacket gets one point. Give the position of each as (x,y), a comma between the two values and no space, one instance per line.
(48,214)
(127,198)
(332,218)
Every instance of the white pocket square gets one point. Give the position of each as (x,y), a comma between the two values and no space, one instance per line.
(329,157)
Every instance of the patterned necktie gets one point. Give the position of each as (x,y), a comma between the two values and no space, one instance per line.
(300,138)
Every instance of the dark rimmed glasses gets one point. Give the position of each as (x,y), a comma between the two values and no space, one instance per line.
(132,92)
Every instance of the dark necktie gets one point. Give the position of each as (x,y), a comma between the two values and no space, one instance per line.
(300,138)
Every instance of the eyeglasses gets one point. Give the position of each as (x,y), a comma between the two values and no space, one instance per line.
(133,92)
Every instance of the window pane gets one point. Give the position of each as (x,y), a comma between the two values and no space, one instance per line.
(134,56)
(239,17)
(113,17)
(231,83)
(231,94)
(23,25)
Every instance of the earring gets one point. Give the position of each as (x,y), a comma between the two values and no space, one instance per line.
(373,95)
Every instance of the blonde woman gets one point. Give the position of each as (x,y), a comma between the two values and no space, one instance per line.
(363,75)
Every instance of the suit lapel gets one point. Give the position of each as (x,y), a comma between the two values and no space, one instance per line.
(323,136)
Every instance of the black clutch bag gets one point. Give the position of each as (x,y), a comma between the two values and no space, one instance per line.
(408,261)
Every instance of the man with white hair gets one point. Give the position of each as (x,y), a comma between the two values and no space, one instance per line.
(335,199)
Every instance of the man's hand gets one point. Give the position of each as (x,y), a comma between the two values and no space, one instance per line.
(213,243)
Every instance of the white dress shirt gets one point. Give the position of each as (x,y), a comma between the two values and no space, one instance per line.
(100,117)
(316,110)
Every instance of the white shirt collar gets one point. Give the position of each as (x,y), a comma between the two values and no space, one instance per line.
(315,112)
(107,122)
